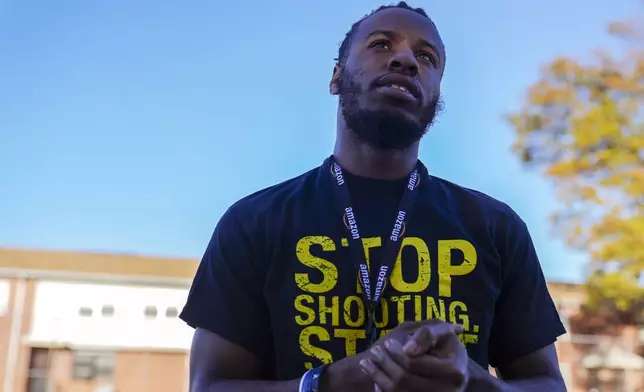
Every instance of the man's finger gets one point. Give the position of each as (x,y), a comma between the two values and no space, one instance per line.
(427,336)
(391,372)
(379,377)
(393,365)
(395,349)
(442,369)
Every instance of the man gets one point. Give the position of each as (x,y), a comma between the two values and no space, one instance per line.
(322,283)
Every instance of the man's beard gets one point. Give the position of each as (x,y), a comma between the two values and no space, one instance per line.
(384,130)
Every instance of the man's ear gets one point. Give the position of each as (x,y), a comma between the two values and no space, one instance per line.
(334,85)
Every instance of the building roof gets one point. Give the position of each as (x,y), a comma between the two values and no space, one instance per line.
(85,265)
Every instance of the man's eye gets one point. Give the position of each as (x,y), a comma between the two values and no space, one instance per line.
(426,57)
(384,44)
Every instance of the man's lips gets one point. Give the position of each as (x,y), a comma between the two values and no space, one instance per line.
(395,82)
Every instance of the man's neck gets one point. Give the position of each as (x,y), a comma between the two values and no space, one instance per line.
(362,160)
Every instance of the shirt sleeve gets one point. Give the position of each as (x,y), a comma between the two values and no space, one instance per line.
(226,296)
(526,319)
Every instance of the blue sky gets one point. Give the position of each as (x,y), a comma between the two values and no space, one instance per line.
(130,126)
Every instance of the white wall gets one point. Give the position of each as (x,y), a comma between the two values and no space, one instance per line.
(5,294)
(56,318)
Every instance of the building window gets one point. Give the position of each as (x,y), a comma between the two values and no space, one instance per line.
(85,311)
(37,380)
(150,312)
(606,380)
(93,365)
(107,311)
(617,381)
(593,382)
(172,312)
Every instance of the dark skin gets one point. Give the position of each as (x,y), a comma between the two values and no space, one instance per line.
(435,356)
(413,356)
(390,41)
(219,365)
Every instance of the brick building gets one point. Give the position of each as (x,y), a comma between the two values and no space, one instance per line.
(74,322)
(84,322)
(597,363)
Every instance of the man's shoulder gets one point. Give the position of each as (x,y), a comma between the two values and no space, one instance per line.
(273,199)
(473,201)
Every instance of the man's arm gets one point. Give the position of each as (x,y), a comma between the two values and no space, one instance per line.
(538,371)
(217,364)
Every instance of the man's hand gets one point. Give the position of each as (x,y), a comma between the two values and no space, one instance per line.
(345,375)
(433,356)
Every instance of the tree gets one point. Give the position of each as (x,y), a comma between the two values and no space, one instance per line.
(582,124)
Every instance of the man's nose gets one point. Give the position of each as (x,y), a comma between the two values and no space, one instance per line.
(404,62)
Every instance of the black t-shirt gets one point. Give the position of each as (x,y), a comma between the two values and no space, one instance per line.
(278,280)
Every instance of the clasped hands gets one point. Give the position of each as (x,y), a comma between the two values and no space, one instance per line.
(431,359)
